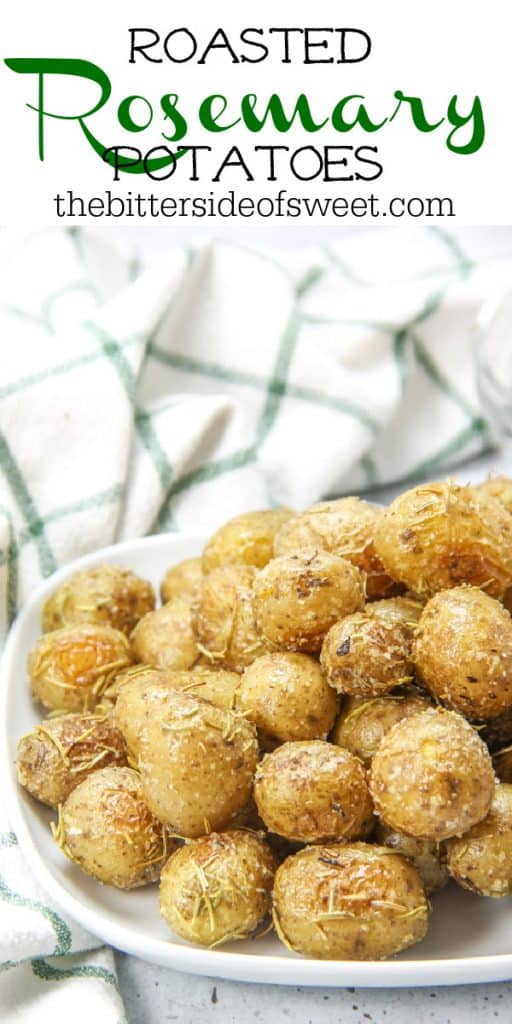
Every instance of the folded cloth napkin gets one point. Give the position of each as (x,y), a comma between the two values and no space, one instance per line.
(219,378)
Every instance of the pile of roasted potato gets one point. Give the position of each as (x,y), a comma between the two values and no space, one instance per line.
(314,729)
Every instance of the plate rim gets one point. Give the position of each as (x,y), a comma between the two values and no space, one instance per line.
(252,967)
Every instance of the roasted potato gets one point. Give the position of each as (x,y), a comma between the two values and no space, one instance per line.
(218,888)
(165,638)
(367,655)
(432,776)
(349,901)
(287,697)
(248,539)
(297,598)
(499,487)
(364,721)
(426,855)
(107,595)
(223,618)
(70,668)
(481,859)
(405,610)
(181,580)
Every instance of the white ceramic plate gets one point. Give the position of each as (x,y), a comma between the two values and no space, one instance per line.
(469,940)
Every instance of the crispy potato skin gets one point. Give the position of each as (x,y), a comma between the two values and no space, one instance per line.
(223,618)
(404,609)
(287,697)
(481,860)
(248,539)
(311,791)
(55,756)
(181,580)
(106,828)
(197,764)
(349,902)
(439,535)
(70,668)
(364,721)
(345,527)
(366,656)
(108,595)
(165,638)
(432,776)
(297,598)
(499,487)
(218,888)
(427,856)
(463,652)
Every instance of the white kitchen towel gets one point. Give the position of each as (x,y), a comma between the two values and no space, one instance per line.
(170,397)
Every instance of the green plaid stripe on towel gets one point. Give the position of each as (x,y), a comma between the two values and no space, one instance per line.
(220,378)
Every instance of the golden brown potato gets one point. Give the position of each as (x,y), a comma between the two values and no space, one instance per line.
(106,828)
(297,598)
(363,721)
(427,856)
(218,888)
(463,652)
(248,539)
(107,595)
(344,527)
(311,791)
(366,656)
(70,668)
(165,638)
(441,534)
(502,761)
(223,618)
(349,902)
(110,695)
(197,764)
(287,697)
(405,610)
(55,756)
(432,776)
(148,694)
(181,580)
(481,860)
(499,487)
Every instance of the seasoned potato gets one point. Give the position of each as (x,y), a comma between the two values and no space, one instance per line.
(344,527)
(432,776)
(218,888)
(181,580)
(297,598)
(366,656)
(148,694)
(405,610)
(55,756)
(363,721)
(426,855)
(106,828)
(499,487)
(197,764)
(287,697)
(248,539)
(110,695)
(441,534)
(107,595)
(223,618)
(165,638)
(311,791)
(502,761)
(463,652)
(481,860)
(70,668)
(349,902)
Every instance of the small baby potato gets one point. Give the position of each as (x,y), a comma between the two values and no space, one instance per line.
(165,638)
(499,487)
(181,580)
(223,618)
(481,860)
(502,761)
(438,535)
(345,527)
(248,539)
(349,902)
(297,598)
(70,668)
(311,791)
(107,595)
(463,652)
(106,828)
(55,756)
(432,776)
(197,764)
(287,697)
(218,888)
(427,856)
(366,656)
(404,610)
(149,693)
(364,721)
